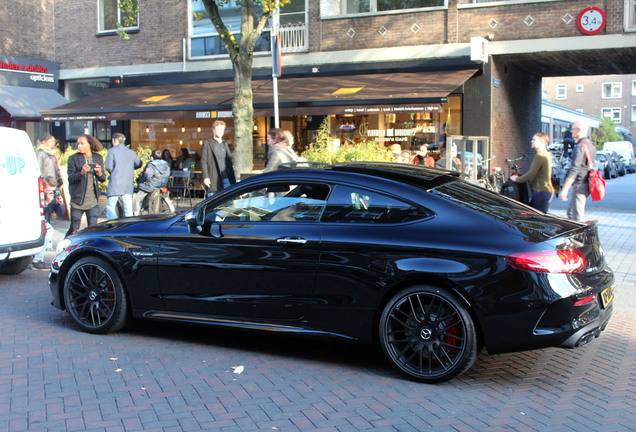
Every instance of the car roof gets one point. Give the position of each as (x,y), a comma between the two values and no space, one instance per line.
(415,175)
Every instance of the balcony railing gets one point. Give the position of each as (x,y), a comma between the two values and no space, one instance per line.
(293,38)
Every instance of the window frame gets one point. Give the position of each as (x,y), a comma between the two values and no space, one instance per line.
(612,110)
(580,88)
(342,6)
(612,87)
(265,35)
(100,19)
(490,3)
(561,95)
(630,16)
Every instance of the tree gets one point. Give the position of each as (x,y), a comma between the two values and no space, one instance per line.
(254,17)
(606,132)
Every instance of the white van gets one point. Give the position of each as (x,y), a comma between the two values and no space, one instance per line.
(22,227)
(625,149)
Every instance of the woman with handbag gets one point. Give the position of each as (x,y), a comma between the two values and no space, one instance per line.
(539,175)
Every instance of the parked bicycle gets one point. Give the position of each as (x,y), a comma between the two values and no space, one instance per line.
(492,180)
(158,201)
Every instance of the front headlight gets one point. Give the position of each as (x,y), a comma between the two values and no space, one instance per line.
(62,245)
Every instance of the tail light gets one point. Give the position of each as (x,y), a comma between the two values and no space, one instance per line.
(556,261)
(42,202)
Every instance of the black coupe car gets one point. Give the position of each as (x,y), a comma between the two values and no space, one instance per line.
(428,265)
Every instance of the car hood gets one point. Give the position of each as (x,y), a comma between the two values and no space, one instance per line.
(124,224)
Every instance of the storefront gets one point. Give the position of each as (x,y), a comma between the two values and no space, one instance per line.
(26,87)
(404,108)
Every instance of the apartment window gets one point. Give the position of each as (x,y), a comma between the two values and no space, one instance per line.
(630,15)
(634,88)
(205,40)
(633,113)
(110,14)
(348,7)
(612,90)
(561,92)
(580,88)
(614,113)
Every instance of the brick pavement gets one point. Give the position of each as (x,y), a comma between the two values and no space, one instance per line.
(160,377)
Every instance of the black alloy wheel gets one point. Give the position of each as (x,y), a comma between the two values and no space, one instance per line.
(94,296)
(428,335)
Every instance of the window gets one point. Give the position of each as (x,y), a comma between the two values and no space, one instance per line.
(110,14)
(614,113)
(580,88)
(205,40)
(612,90)
(561,91)
(634,88)
(348,7)
(272,203)
(630,15)
(462,2)
(634,113)
(352,205)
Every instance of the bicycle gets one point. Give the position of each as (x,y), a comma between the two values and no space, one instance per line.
(494,180)
(514,169)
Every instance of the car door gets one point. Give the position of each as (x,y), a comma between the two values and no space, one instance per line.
(256,256)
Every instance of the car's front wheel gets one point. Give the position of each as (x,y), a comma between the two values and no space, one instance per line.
(427,334)
(95,297)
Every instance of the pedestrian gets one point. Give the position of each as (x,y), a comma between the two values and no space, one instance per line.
(53,203)
(121,163)
(280,149)
(155,176)
(85,170)
(540,174)
(217,171)
(578,176)
(47,159)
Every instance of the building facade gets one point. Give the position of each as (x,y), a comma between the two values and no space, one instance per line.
(400,72)
(612,96)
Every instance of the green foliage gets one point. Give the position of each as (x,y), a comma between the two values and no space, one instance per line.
(606,132)
(323,151)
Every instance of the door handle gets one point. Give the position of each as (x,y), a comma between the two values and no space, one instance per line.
(291,240)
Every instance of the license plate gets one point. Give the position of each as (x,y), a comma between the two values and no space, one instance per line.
(607,295)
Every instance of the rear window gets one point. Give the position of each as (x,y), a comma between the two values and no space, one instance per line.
(482,200)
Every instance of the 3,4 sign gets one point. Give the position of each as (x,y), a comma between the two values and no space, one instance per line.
(592,20)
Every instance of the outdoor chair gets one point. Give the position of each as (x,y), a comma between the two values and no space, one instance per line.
(180,185)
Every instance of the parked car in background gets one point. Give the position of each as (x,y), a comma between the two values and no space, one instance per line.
(624,149)
(608,167)
(417,259)
(620,164)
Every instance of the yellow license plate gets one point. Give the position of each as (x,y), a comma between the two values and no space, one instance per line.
(607,295)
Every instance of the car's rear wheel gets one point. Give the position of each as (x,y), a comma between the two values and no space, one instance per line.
(95,297)
(427,334)
(15,266)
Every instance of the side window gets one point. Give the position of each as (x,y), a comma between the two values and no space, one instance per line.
(349,204)
(280,202)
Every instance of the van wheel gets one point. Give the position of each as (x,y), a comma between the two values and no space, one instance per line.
(94,296)
(428,335)
(15,266)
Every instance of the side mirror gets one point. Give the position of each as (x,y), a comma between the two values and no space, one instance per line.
(194,227)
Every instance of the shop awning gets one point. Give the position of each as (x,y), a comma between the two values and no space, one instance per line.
(294,94)
(25,103)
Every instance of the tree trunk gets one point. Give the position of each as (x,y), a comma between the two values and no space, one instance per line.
(243,113)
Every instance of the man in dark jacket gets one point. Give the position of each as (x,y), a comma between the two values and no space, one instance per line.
(217,171)
(155,176)
(578,176)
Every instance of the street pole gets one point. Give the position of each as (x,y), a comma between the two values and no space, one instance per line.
(276,59)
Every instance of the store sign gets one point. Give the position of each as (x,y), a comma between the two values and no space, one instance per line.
(391,109)
(25,72)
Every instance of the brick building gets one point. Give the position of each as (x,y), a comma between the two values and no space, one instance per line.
(415,78)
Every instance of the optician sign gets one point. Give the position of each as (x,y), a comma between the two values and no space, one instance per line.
(25,72)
